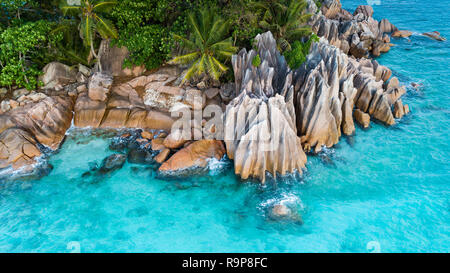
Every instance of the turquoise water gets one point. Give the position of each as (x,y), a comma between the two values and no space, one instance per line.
(385,187)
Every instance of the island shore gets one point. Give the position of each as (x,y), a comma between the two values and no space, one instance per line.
(271,117)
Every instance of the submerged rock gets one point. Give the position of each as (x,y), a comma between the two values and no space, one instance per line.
(281,212)
(112,163)
(435,35)
(139,156)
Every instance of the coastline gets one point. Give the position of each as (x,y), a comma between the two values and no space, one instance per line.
(385,184)
(102,101)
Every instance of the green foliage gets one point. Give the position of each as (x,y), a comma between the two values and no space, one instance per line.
(256,61)
(297,55)
(146,28)
(149,45)
(152,30)
(67,47)
(285,19)
(318,4)
(22,53)
(206,46)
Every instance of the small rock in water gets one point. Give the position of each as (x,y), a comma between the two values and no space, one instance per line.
(139,156)
(280,212)
(112,163)
(434,35)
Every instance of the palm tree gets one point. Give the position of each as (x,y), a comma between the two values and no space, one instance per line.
(91,20)
(207,45)
(285,19)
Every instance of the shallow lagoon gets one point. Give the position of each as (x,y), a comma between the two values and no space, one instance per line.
(386,187)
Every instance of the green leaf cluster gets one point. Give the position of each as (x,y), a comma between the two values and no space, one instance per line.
(208,46)
(297,55)
(22,53)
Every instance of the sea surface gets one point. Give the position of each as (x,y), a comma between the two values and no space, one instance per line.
(383,190)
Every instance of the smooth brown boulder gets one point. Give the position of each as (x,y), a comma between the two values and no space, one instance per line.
(196,154)
(158,144)
(400,110)
(88,113)
(162,156)
(175,140)
(47,120)
(56,73)
(17,149)
(386,27)
(158,121)
(401,34)
(147,135)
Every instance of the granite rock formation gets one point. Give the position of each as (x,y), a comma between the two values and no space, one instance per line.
(357,34)
(260,131)
(330,85)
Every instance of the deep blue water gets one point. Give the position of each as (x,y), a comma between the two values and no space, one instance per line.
(385,187)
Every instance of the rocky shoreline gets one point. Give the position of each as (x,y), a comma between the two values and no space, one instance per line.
(271,117)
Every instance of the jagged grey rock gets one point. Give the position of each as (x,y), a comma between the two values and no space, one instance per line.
(261,135)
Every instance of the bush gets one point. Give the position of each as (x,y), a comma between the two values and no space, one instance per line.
(297,56)
(23,52)
(146,28)
(148,45)
(256,61)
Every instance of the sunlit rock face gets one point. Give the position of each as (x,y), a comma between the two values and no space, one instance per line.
(330,84)
(324,97)
(260,131)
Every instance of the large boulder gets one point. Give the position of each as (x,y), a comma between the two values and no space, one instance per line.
(18,149)
(47,120)
(111,60)
(386,27)
(88,112)
(99,86)
(56,73)
(195,155)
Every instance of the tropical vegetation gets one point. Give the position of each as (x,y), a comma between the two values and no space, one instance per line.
(208,44)
(34,33)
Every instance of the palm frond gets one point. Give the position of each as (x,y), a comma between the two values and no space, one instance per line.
(191,72)
(212,69)
(186,43)
(105,28)
(104,5)
(195,27)
(185,59)
(87,30)
(221,66)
